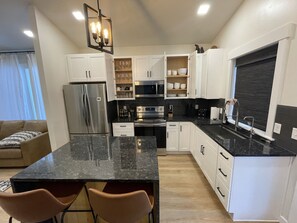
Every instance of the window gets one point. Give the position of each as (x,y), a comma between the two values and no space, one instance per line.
(20,91)
(254,75)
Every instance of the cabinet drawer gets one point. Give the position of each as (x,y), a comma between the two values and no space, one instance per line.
(172,125)
(222,192)
(123,132)
(224,172)
(122,126)
(226,157)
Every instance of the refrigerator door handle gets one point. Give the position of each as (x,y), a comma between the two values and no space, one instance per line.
(84,108)
(89,112)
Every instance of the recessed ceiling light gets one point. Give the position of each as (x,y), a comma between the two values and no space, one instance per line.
(78,15)
(29,33)
(203,9)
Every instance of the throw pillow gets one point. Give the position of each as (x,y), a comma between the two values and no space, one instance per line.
(16,139)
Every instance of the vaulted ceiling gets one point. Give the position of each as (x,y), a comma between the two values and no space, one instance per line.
(135,22)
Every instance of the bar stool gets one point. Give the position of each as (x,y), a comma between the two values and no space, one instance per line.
(39,204)
(128,207)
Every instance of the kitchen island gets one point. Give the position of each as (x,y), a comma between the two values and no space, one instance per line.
(96,158)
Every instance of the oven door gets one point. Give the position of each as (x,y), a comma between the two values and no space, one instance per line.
(153,129)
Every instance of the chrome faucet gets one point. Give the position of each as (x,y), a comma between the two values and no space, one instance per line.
(234,102)
(251,123)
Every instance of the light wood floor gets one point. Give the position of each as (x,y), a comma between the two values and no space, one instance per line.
(185,195)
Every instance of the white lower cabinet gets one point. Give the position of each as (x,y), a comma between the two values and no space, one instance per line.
(251,188)
(123,129)
(172,129)
(178,136)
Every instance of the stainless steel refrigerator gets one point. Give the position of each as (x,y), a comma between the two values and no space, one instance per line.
(86,108)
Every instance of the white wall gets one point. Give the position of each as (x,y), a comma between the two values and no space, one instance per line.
(51,45)
(254,19)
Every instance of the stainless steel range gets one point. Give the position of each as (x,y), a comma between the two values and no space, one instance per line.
(150,122)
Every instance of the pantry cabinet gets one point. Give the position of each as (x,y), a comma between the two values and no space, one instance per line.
(148,68)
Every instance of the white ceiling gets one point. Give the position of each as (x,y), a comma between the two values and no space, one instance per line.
(135,22)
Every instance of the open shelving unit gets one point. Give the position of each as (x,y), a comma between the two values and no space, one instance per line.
(124,84)
(176,62)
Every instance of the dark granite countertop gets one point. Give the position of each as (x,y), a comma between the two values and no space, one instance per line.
(98,158)
(239,146)
(236,146)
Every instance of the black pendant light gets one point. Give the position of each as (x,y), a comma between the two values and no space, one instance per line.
(98,29)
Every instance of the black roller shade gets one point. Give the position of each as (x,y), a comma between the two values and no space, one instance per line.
(253,85)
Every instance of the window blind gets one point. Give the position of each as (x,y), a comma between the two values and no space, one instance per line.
(253,84)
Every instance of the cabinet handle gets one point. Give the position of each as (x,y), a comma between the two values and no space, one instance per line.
(167,135)
(224,156)
(86,74)
(223,195)
(89,74)
(195,92)
(147,73)
(225,175)
(180,128)
(202,150)
(123,135)
(172,125)
(150,73)
(123,126)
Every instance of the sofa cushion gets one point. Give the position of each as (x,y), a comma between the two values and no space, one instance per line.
(10,127)
(11,153)
(36,125)
(15,139)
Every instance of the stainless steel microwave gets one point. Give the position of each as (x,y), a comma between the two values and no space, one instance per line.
(149,89)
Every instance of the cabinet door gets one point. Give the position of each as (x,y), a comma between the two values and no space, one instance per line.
(200,141)
(141,68)
(156,68)
(77,68)
(110,80)
(195,65)
(172,136)
(97,69)
(184,136)
(210,161)
(213,78)
(193,140)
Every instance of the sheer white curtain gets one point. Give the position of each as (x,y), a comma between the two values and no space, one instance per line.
(20,91)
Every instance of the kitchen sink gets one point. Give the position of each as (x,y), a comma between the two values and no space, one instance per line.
(223,132)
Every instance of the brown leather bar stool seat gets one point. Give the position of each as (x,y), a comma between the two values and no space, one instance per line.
(127,207)
(39,204)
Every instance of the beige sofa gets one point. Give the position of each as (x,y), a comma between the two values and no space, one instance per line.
(29,151)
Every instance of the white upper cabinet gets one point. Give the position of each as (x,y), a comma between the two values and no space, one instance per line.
(148,68)
(83,68)
(213,79)
(195,65)
(86,67)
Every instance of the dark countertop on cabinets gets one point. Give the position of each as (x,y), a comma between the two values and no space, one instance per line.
(235,146)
